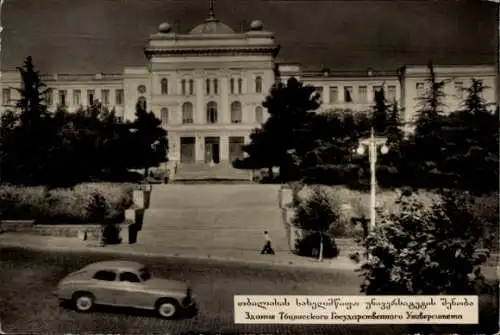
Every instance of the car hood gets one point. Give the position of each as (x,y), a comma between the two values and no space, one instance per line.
(166,285)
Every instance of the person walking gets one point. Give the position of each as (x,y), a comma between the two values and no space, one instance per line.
(268,249)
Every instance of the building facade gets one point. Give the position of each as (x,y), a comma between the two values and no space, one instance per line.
(207,87)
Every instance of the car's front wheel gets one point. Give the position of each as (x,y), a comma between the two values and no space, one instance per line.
(83,301)
(167,308)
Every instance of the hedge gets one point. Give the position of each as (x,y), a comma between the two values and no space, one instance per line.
(84,203)
(356,204)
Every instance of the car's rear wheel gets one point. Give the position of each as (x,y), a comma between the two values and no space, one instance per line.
(83,301)
(167,308)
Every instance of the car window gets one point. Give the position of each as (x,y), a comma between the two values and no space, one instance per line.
(129,277)
(145,274)
(105,275)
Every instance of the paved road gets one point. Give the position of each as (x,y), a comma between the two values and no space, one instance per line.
(27,306)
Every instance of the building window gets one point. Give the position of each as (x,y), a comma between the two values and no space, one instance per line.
(90,97)
(119,97)
(258,84)
(141,89)
(334,94)
(207,86)
(236,115)
(5,96)
(142,103)
(420,89)
(48,97)
(363,94)
(77,97)
(187,113)
(231,85)
(105,97)
(211,112)
(183,87)
(259,115)
(62,97)
(348,94)
(240,85)
(164,116)
(459,89)
(191,87)
(164,86)
(216,86)
(391,93)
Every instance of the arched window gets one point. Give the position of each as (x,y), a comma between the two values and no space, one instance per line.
(236,112)
(183,86)
(164,116)
(258,84)
(259,115)
(231,85)
(212,112)
(142,103)
(187,113)
(240,85)
(164,86)
(216,86)
(191,87)
(207,86)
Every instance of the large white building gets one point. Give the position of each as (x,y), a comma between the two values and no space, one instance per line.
(207,86)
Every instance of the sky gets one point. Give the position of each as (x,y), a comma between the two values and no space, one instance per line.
(91,36)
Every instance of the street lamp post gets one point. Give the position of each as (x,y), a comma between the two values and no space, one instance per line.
(373,143)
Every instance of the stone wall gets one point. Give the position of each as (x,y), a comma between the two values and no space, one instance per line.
(89,232)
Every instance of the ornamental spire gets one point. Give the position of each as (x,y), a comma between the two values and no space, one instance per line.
(211,12)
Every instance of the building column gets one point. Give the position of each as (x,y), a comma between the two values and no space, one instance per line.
(199,151)
(174,152)
(224,148)
(199,108)
(326,94)
(224,101)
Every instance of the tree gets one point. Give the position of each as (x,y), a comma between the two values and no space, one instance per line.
(291,107)
(472,142)
(380,111)
(429,138)
(417,249)
(317,214)
(26,132)
(148,140)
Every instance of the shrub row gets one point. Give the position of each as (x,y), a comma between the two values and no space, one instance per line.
(356,204)
(84,203)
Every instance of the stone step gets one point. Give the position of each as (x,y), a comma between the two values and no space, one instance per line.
(234,239)
(213,196)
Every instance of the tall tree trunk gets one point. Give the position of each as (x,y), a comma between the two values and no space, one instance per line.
(270,172)
(146,171)
(320,256)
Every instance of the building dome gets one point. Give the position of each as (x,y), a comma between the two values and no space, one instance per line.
(212,26)
(256,25)
(165,28)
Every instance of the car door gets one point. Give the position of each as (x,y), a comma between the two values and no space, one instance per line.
(105,286)
(132,293)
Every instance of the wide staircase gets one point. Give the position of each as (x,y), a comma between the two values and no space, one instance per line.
(214,217)
(203,171)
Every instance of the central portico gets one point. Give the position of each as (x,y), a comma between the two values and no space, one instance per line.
(208,85)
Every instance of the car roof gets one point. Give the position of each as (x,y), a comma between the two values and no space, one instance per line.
(115,265)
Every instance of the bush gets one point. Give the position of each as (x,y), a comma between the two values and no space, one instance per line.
(308,246)
(426,250)
(84,203)
(21,203)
